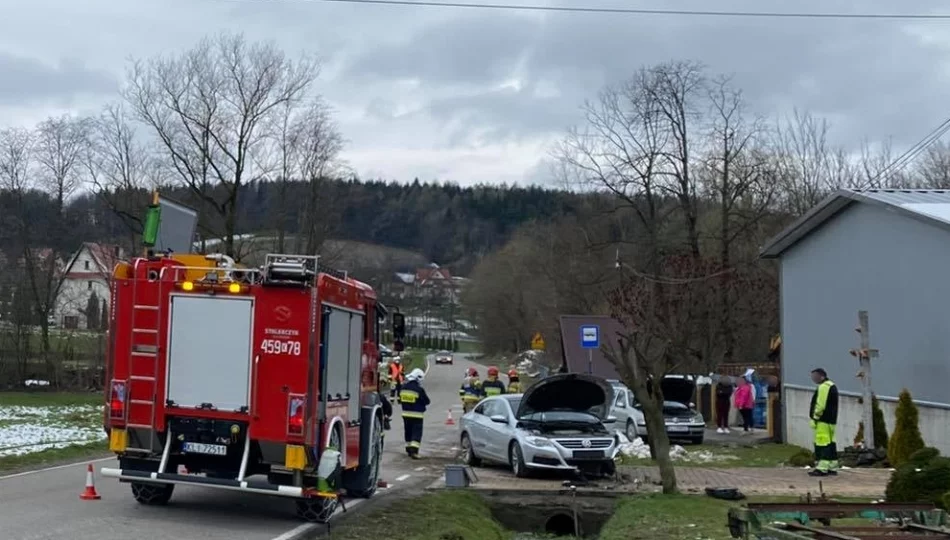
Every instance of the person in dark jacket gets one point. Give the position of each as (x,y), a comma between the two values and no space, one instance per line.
(414,401)
(493,385)
(823,414)
(724,390)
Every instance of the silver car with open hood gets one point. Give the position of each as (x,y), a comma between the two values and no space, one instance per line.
(559,423)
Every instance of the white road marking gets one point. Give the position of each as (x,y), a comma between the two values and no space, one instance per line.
(420,469)
(301,530)
(403,477)
(56,468)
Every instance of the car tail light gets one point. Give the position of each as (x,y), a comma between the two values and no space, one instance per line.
(295,415)
(117,400)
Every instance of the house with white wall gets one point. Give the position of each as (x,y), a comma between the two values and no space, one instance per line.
(88,272)
(883,251)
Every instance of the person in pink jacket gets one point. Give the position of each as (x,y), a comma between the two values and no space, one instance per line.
(745,403)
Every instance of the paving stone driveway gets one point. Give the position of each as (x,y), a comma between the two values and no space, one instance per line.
(771,481)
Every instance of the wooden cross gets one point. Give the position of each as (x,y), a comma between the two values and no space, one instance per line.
(864,354)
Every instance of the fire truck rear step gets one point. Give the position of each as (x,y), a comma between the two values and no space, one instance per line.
(254,485)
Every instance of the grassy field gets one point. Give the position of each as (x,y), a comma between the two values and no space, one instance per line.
(470,347)
(460,515)
(37,428)
(81,343)
(450,515)
(705,455)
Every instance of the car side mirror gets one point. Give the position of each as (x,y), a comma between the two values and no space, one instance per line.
(499,419)
(610,420)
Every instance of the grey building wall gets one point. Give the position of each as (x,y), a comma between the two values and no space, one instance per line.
(895,267)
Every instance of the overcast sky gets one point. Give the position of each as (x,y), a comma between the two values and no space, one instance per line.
(478,95)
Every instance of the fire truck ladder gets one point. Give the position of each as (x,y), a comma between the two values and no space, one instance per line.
(143,356)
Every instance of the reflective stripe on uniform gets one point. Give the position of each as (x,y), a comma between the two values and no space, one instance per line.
(412,444)
(408,396)
(491,390)
(410,414)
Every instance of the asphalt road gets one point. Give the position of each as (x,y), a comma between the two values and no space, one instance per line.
(45,504)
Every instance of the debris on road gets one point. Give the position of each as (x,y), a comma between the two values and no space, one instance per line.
(637,449)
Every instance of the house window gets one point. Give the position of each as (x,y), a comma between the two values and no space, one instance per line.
(89,285)
(86,264)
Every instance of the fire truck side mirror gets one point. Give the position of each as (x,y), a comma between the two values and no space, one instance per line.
(399,326)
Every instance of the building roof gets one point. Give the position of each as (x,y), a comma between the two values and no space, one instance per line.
(928,205)
(576,358)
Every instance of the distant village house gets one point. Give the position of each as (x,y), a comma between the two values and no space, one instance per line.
(87,273)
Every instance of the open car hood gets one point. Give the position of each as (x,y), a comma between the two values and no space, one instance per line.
(568,392)
(678,388)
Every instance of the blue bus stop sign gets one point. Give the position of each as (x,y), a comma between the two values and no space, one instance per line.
(590,336)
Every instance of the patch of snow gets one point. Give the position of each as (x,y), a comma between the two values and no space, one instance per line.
(35,382)
(25,430)
(638,449)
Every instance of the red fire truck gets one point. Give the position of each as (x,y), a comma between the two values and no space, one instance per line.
(259,380)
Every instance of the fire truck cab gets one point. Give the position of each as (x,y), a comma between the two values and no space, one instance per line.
(261,380)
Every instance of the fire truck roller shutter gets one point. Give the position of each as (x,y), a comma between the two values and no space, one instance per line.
(210,339)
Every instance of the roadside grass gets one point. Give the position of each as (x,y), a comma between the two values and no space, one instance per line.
(85,344)
(728,455)
(677,517)
(44,427)
(469,347)
(454,515)
(464,515)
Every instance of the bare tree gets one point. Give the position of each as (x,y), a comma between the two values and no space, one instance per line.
(61,145)
(318,144)
(808,166)
(738,182)
(209,108)
(121,169)
(933,169)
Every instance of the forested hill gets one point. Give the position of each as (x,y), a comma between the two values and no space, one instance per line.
(447,223)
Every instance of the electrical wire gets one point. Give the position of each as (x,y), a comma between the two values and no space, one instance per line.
(644,11)
(910,155)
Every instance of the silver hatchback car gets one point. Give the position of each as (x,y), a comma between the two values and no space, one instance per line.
(559,423)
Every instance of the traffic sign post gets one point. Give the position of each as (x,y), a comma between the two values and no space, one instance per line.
(537,342)
(590,340)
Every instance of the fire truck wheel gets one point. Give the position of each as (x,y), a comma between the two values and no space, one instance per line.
(316,510)
(365,479)
(152,494)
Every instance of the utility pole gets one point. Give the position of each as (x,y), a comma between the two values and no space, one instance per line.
(864,354)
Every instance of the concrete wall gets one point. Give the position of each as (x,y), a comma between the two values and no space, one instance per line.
(934,421)
(898,269)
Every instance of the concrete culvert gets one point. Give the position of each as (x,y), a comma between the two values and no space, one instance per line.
(560,525)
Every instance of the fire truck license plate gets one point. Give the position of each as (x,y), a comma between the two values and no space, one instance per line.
(202,448)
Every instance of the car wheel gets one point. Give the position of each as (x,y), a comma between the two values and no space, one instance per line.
(631,431)
(516,460)
(608,469)
(697,440)
(468,452)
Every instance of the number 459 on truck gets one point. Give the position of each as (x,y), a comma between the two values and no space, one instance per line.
(260,380)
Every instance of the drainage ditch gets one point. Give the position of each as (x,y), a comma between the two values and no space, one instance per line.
(545,514)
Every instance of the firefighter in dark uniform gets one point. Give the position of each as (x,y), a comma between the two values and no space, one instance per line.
(493,386)
(823,414)
(414,400)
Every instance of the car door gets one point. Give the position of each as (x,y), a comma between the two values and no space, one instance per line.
(620,409)
(498,434)
(478,429)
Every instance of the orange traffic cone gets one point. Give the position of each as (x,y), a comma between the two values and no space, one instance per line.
(89,494)
(449,421)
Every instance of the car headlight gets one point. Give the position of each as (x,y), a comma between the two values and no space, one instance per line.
(538,441)
(698,419)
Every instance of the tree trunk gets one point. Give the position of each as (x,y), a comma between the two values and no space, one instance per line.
(659,443)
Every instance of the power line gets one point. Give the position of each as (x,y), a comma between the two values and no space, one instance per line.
(637,11)
(910,155)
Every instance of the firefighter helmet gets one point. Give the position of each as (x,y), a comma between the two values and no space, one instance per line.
(513,373)
(472,372)
(493,371)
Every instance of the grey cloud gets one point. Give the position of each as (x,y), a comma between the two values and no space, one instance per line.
(27,81)
(876,75)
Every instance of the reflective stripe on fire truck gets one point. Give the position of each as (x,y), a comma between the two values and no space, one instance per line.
(254,486)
